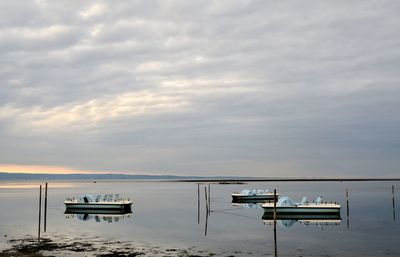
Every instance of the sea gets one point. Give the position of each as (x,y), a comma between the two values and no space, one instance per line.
(173,215)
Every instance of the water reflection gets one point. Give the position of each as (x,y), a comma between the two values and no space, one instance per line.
(288,220)
(393,205)
(373,231)
(347,209)
(247,205)
(109,216)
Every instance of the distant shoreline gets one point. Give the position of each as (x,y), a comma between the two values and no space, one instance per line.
(4,176)
(289,180)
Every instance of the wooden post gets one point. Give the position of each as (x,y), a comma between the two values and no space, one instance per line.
(206,224)
(394,209)
(40,210)
(275,244)
(347,209)
(45,207)
(209,199)
(198,203)
(205,193)
(275,206)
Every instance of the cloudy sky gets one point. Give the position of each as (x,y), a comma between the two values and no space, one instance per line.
(244,88)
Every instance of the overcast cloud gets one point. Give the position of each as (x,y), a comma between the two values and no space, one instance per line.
(258,88)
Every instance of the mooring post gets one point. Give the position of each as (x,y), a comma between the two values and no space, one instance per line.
(347,208)
(45,207)
(275,243)
(209,199)
(198,203)
(206,224)
(205,193)
(394,209)
(274,205)
(40,210)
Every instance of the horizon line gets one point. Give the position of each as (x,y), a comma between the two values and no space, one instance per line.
(218,178)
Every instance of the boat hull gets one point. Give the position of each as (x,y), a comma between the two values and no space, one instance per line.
(98,206)
(98,211)
(251,198)
(303,210)
(301,216)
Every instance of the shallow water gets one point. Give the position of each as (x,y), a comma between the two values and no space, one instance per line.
(166,214)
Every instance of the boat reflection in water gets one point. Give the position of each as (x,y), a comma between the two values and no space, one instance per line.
(109,216)
(288,220)
(247,205)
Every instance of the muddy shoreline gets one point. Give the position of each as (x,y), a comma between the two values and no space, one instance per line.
(96,247)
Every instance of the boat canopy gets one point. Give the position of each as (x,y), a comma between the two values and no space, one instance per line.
(254,191)
(286,202)
(86,199)
(245,192)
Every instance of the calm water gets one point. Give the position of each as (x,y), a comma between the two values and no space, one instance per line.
(166,214)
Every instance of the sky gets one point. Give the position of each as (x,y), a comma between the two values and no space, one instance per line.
(233,88)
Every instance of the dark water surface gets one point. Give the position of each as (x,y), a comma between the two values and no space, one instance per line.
(166,214)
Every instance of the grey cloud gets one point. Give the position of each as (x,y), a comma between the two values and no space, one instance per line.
(261,87)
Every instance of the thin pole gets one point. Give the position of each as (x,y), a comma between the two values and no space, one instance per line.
(205,193)
(198,203)
(347,209)
(40,210)
(209,199)
(45,207)
(274,205)
(206,225)
(275,244)
(394,209)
